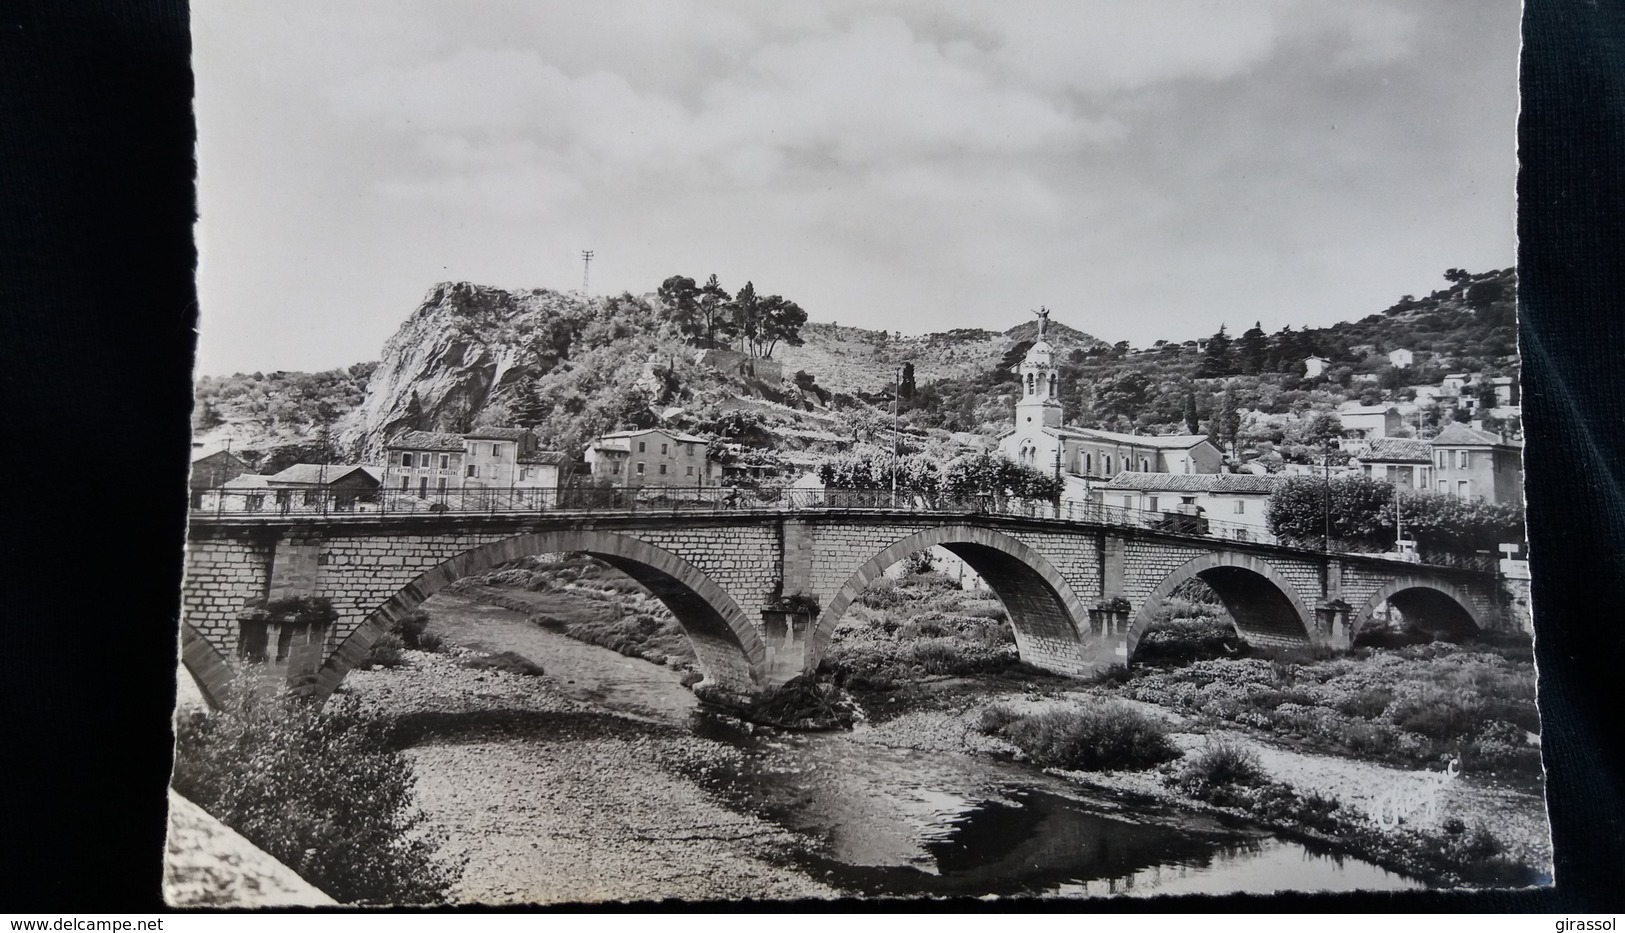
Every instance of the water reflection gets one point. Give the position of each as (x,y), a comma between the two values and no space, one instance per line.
(896,822)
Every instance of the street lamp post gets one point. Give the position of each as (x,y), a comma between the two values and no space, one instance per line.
(897,390)
(1326,496)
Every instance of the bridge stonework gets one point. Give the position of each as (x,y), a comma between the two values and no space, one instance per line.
(1079,596)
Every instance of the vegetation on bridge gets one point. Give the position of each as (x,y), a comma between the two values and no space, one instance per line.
(1362,516)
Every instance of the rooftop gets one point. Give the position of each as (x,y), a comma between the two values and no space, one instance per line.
(1194,482)
(425,440)
(1461,435)
(546,457)
(1398,450)
(496,434)
(319,473)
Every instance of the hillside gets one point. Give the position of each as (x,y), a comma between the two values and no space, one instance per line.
(570,366)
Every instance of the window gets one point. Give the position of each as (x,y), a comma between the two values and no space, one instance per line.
(640,469)
(1441,458)
(406,482)
(496,451)
(445,461)
(423,488)
(663,450)
(473,469)
(1461,488)
(1444,487)
(617,470)
(640,447)
(310,497)
(688,450)
(406,460)
(1088,463)
(254,501)
(1241,507)
(1106,469)
(1128,502)
(1145,465)
(1151,503)
(662,469)
(690,471)
(440,485)
(1461,459)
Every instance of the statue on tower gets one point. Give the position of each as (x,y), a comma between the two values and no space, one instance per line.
(1043,320)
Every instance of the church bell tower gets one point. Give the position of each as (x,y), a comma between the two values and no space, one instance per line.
(1039,404)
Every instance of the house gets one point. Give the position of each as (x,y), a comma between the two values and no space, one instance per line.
(1368,421)
(1315,366)
(652,457)
(1405,462)
(543,469)
(426,463)
(212,467)
(1506,391)
(1237,502)
(339,486)
(1401,359)
(1039,440)
(424,460)
(491,456)
(1476,464)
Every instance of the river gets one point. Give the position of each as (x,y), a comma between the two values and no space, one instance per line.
(879,820)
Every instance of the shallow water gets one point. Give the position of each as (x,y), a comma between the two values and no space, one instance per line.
(897,822)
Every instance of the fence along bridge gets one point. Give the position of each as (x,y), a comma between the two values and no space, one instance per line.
(1080,583)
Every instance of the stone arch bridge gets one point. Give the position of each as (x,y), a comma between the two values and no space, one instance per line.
(1079,595)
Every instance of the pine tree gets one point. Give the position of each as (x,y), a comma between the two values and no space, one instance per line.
(527,409)
(1217,359)
(906,388)
(1253,349)
(1192,423)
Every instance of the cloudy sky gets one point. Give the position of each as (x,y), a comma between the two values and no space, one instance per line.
(1145,169)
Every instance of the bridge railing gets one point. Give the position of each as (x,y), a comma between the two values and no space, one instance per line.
(316,501)
(265,502)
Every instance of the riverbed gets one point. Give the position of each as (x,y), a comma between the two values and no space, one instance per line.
(602,780)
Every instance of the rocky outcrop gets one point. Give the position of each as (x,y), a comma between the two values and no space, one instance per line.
(463,347)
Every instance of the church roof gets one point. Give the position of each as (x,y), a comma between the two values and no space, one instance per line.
(1157,441)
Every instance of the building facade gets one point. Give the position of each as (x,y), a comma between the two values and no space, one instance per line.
(1476,464)
(652,457)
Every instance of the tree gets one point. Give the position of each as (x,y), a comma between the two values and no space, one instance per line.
(1253,350)
(744,315)
(781,320)
(1124,394)
(1216,359)
(526,408)
(680,297)
(991,474)
(1227,420)
(712,310)
(1192,422)
(905,387)
(1457,276)
(1357,510)
(1486,395)
(205,417)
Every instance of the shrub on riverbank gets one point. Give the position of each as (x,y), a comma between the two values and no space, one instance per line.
(1414,706)
(323,792)
(508,661)
(1104,738)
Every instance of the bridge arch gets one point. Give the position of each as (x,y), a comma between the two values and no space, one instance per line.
(1436,606)
(1263,603)
(1044,611)
(728,648)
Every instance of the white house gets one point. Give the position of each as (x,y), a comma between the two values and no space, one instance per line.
(1315,366)
(1401,358)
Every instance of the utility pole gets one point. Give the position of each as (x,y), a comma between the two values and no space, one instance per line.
(586,267)
(1326,496)
(897,390)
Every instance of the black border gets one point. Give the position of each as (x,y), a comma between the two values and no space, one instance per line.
(98,308)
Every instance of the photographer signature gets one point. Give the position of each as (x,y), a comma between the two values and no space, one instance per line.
(1396,806)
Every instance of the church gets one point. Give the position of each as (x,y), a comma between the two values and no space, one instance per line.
(1086,458)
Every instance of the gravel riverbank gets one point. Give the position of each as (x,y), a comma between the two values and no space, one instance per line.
(548,799)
